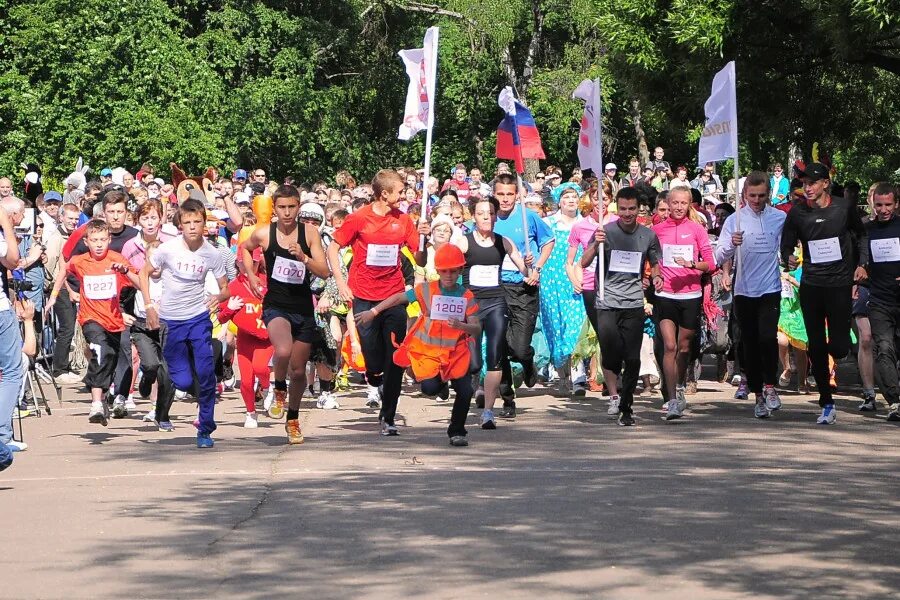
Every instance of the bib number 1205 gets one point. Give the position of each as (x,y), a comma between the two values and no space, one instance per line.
(444,308)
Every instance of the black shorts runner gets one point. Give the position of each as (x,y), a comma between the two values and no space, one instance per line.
(684,313)
(303,329)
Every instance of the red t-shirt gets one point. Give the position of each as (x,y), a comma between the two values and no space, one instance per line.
(100,287)
(375,272)
(248,318)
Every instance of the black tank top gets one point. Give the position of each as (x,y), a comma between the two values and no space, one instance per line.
(487,263)
(288,278)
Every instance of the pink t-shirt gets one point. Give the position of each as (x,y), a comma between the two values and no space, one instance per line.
(581,236)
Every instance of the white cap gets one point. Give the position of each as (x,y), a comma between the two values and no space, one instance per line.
(610,166)
(241,198)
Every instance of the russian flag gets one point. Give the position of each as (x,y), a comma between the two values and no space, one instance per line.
(517,135)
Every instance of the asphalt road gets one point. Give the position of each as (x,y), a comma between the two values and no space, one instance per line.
(559,503)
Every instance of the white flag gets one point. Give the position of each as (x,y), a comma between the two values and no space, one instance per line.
(719,139)
(421,66)
(590,142)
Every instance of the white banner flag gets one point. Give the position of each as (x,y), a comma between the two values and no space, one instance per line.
(590,142)
(421,66)
(719,139)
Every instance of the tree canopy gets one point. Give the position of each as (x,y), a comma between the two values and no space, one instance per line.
(307,88)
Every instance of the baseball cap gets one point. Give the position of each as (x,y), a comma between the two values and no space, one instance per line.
(311,210)
(610,166)
(554,175)
(52,196)
(241,198)
(815,172)
(107,172)
(240,174)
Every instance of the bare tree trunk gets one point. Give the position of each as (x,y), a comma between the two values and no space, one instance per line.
(643,150)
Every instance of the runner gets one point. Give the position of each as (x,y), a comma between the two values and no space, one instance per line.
(757,287)
(485,253)
(521,291)
(620,313)
(376,233)
(437,345)
(825,225)
(884,293)
(292,255)
(182,315)
(101,275)
(676,311)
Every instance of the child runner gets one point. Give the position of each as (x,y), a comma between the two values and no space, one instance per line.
(183,311)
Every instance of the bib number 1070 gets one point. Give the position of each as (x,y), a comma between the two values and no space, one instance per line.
(444,308)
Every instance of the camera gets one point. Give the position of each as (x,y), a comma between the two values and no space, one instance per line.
(18,285)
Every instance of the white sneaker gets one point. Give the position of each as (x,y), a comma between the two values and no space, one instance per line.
(828,416)
(119,411)
(180,395)
(229,383)
(150,417)
(327,401)
(250,421)
(16,446)
(613,409)
(373,397)
(675,411)
(269,399)
(68,378)
(129,402)
(773,402)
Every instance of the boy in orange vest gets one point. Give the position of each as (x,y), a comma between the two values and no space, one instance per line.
(437,345)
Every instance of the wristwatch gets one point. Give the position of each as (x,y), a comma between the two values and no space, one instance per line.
(538,269)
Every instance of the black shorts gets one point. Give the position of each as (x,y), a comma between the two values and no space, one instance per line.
(684,313)
(303,328)
(861,304)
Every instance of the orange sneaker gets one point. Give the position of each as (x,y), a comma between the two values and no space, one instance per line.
(295,436)
(276,411)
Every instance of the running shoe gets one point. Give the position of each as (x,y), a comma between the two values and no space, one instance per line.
(204,440)
(578,390)
(682,401)
(444,394)
(251,421)
(230,379)
(626,420)
(691,388)
(459,441)
(770,395)
(674,411)
(736,379)
(894,414)
(341,382)
(294,435)
(762,409)
(165,426)
(269,399)
(868,403)
(389,429)
(150,417)
(16,446)
(373,397)
(119,411)
(276,411)
(180,395)
(784,379)
(508,411)
(828,416)
(742,392)
(487,419)
(613,409)
(129,403)
(69,378)
(327,401)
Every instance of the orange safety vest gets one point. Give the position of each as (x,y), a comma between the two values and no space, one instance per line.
(433,348)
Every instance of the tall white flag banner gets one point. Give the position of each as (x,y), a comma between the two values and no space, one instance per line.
(421,66)
(590,142)
(719,139)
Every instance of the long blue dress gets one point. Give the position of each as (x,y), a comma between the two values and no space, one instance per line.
(562,310)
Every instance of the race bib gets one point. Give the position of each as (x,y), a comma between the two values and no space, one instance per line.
(99,287)
(886,250)
(673,251)
(621,261)
(508,264)
(484,276)
(825,251)
(444,308)
(761,243)
(382,255)
(288,271)
(190,268)
(787,289)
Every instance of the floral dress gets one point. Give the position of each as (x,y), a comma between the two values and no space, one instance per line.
(562,310)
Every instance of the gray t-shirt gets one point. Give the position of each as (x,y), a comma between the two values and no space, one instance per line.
(625,254)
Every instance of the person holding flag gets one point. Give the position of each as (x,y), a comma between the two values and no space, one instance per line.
(517,139)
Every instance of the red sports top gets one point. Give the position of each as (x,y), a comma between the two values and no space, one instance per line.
(100,287)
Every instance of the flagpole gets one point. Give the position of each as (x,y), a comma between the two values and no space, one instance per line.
(737,174)
(601,255)
(426,200)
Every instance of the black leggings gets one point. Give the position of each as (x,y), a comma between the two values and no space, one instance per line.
(590,305)
(464,392)
(621,332)
(377,341)
(823,306)
(759,326)
(494,317)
